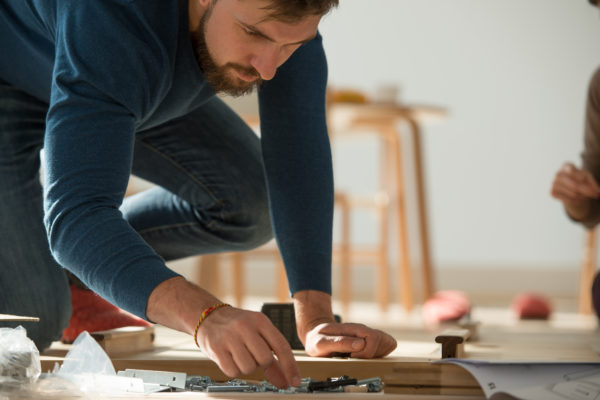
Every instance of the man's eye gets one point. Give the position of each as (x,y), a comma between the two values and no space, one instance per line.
(249,32)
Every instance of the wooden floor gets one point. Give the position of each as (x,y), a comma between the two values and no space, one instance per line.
(565,337)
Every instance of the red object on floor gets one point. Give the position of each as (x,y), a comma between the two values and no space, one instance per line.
(446,305)
(92,313)
(531,306)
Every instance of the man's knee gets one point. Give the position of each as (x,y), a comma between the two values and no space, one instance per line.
(50,329)
(53,312)
(254,222)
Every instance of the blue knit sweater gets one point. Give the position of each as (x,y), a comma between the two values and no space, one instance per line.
(111,68)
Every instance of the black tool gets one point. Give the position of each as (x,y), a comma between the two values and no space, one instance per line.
(283,317)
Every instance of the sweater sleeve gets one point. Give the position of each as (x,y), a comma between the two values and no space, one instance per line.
(298,165)
(591,153)
(105,80)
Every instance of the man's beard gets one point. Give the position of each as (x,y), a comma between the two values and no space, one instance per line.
(220,77)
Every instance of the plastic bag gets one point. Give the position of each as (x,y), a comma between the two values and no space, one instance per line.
(85,372)
(19,358)
(89,368)
(86,356)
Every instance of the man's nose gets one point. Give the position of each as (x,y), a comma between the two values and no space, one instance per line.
(266,62)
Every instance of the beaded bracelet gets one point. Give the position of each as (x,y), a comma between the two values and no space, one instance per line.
(205,314)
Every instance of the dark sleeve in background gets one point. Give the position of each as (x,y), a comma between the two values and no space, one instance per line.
(591,153)
(298,166)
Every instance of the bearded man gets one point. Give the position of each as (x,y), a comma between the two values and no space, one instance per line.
(110,88)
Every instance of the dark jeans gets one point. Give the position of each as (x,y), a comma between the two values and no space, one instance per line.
(210,197)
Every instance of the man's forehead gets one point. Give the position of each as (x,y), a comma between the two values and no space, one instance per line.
(254,14)
(278,10)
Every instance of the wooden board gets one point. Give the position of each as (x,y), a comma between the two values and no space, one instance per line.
(15,318)
(125,341)
(407,371)
(298,396)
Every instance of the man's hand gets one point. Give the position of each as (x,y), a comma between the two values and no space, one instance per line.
(240,341)
(322,336)
(357,339)
(575,188)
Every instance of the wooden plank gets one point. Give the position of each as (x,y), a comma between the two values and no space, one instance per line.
(427,374)
(408,371)
(435,391)
(15,318)
(297,396)
(125,341)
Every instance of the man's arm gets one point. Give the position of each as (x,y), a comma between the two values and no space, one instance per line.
(298,166)
(299,172)
(105,82)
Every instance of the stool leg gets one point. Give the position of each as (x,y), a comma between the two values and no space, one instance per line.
(405,295)
(283,294)
(344,253)
(428,285)
(587,273)
(238,277)
(382,203)
(383,284)
(208,275)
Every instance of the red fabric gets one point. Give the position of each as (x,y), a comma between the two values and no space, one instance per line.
(92,313)
(446,305)
(531,306)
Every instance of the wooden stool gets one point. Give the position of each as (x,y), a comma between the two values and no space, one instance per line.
(384,120)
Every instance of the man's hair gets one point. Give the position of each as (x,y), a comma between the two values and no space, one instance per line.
(593,2)
(294,10)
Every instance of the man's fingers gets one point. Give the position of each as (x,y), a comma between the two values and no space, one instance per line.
(260,350)
(244,360)
(226,363)
(274,374)
(339,344)
(370,348)
(379,344)
(262,355)
(280,346)
(346,329)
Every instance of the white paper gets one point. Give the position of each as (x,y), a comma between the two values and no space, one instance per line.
(534,381)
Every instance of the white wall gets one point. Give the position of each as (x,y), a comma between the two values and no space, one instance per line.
(513,75)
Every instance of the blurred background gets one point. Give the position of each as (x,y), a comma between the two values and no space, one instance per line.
(513,77)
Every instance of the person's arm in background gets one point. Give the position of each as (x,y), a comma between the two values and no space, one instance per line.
(298,166)
(577,188)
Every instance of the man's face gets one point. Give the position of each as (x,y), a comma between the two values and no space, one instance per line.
(237,46)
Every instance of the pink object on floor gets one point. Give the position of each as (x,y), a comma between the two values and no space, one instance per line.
(92,313)
(531,306)
(446,305)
